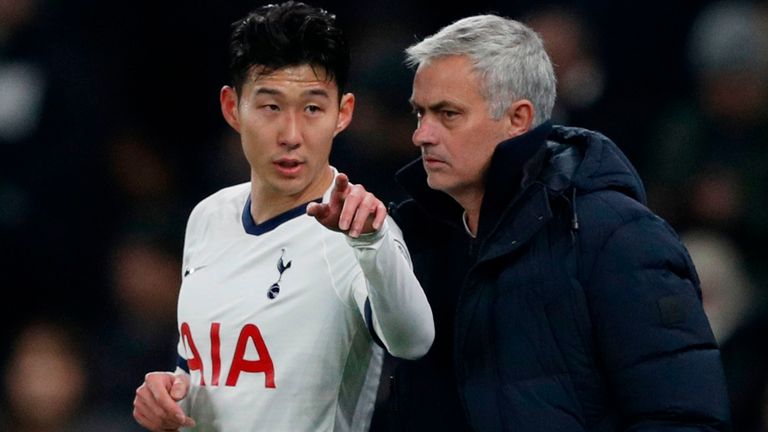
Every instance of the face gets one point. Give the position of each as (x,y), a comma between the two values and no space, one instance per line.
(287,120)
(455,131)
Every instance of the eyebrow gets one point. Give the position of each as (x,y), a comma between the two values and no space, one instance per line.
(437,106)
(316,92)
(275,92)
(268,91)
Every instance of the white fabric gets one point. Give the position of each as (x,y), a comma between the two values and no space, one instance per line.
(326,365)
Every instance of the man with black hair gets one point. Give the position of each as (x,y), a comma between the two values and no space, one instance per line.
(279,318)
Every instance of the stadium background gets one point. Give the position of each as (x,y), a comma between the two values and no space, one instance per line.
(110,132)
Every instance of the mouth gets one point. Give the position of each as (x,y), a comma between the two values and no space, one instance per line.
(288,166)
(431,162)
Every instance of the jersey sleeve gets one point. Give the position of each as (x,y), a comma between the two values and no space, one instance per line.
(193,232)
(396,306)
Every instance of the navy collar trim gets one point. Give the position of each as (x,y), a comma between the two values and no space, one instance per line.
(253,228)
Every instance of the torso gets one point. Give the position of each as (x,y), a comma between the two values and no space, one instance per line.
(306,360)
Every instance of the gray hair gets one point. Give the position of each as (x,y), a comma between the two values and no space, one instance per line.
(508,57)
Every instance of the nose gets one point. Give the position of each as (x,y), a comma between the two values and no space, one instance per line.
(424,134)
(291,132)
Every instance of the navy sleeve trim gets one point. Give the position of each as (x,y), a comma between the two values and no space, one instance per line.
(182,363)
(369,322)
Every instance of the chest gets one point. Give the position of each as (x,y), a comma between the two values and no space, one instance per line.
(245,276)
(280,297)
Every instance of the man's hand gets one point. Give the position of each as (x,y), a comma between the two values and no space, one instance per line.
(155,406)
(351,209)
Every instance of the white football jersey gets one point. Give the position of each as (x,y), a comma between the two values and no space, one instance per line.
(272,322)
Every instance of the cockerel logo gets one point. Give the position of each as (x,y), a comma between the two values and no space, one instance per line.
(274,290)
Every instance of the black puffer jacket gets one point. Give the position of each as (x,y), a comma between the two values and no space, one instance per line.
(575,309)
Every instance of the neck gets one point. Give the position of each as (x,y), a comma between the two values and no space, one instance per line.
(471,206)
(267,203)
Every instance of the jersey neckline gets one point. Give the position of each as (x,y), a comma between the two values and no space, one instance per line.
(253,228)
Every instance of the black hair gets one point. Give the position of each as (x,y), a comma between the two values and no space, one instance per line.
(288,34)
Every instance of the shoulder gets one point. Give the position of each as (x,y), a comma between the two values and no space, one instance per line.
(610,207)
(229,199)
(616,228)
(222,207)
(603,214)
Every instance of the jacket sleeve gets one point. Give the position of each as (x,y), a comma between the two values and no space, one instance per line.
(653,339)
(399,311)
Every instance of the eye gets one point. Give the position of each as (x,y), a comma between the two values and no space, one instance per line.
(312,109)
(419,113)
(271,107)
(448,114)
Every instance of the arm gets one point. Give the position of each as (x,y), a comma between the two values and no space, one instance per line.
(156,404)
(653,339)
(400,314)
(159,402)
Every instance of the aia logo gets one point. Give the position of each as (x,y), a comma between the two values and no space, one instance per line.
(274,290)
(249,335)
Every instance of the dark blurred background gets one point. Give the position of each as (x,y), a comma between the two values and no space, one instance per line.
(110,132)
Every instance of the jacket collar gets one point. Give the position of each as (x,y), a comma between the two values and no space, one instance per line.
(439,205)
(505,174)
(503,180)
(518,223)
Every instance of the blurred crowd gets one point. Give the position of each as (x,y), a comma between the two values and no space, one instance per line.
(110,132)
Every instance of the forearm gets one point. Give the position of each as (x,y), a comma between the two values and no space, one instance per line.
(402,317)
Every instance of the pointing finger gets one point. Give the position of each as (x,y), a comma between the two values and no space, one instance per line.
(340,188)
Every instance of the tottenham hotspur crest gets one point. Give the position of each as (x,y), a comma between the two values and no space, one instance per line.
(274,290)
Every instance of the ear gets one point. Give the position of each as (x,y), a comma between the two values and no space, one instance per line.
(229,107)
(346,108)
(520,117)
